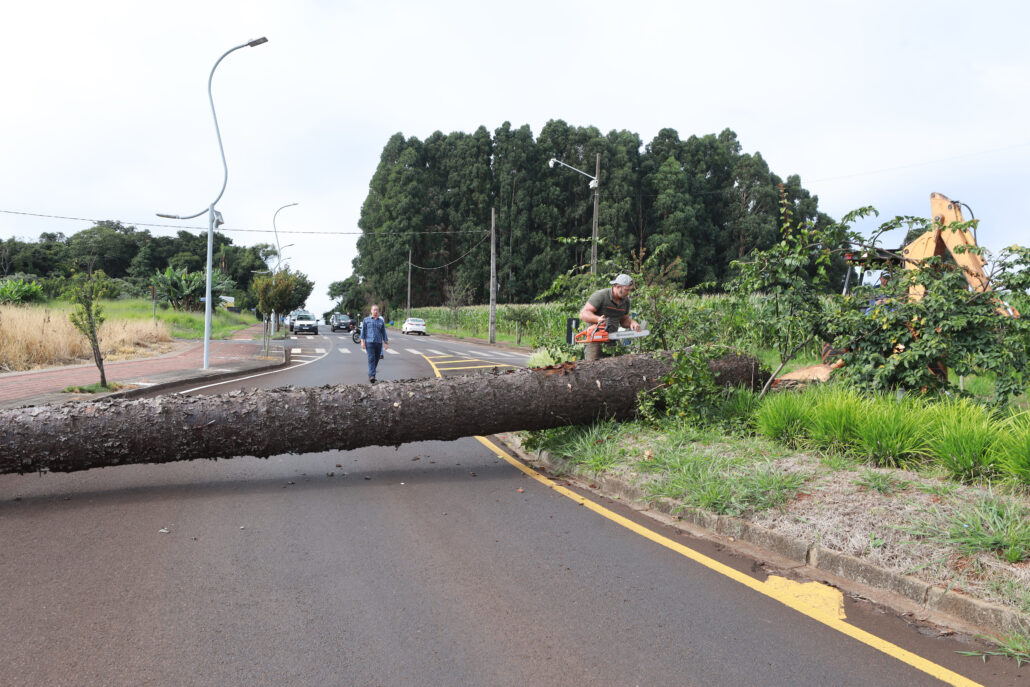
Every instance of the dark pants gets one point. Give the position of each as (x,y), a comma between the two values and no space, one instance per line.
(373,351)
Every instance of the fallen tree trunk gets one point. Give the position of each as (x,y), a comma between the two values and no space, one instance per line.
(79,436)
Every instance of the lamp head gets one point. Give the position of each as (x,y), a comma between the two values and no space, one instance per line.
(257,41)
(550,163)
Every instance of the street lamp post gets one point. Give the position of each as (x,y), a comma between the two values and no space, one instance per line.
(278,254)
(594,184)
(278,250)
(214,218)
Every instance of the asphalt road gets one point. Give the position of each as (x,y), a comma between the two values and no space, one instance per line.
(437,563)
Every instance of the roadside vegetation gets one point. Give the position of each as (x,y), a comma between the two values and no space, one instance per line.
(42,335)
(918,472)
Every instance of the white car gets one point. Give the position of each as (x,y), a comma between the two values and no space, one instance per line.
(414,325)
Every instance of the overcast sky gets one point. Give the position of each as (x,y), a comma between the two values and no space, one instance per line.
(105,112)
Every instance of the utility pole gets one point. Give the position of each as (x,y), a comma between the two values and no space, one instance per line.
(493,277)
(409,283)
(597,199)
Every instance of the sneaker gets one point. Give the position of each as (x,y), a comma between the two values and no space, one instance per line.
(371,380)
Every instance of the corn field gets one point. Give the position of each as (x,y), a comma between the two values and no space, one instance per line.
(690,319)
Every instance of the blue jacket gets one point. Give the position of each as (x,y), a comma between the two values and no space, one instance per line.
(374,330)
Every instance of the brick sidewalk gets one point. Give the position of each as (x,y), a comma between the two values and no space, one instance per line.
(25,386)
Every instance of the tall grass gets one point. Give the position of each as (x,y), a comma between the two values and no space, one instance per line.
(785,417)
(837,416)
(1011,451)
(961,437)
(894,433)
(42,336)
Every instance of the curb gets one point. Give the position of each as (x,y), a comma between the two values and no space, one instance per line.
(173,379)
(905,594)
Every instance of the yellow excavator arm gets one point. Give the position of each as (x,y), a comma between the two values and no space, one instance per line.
(944,240)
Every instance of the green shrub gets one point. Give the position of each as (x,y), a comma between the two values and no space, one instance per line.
(893,433)
(961,435)
(18,291)
(688,393)
(785,417)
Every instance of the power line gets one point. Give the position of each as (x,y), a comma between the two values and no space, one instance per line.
(419,267)
(226,230)
(922,164)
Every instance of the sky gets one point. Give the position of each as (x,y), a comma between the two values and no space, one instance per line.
(105,114)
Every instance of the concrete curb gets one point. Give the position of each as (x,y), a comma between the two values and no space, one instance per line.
(904,593)
(172,379)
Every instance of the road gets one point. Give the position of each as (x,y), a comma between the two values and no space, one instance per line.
(439,563)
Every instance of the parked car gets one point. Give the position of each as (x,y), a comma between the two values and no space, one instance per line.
(342,321)
(414,325)
(304,322)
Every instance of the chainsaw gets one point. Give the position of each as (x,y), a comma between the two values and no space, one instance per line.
(597,334)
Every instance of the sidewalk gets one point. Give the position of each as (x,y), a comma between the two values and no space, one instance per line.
(227,358)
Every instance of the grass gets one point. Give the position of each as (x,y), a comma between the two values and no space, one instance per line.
(1011,451)
(719,484)
(40,336)
(990,525)
(961,438)
(883,483)
(96,388)
(837,415)
(893,433)
(1015,646)
(785,417)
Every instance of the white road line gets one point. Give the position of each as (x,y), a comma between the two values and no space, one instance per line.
(413,351)
(435,352)
(392,352)
(343,350)
(319,350)
(259,374)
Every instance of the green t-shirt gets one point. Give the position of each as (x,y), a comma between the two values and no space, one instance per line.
(604,304)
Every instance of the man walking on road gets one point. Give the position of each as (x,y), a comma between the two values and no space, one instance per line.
(373,341)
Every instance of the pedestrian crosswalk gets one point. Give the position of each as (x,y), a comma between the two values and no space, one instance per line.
(481,354)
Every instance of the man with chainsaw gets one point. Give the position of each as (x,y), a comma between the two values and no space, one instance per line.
(608,308)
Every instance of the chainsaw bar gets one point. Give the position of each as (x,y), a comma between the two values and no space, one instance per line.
(629,334)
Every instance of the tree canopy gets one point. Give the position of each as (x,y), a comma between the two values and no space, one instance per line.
(131,258)
(703,198)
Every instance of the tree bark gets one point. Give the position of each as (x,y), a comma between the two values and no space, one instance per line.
(79,436)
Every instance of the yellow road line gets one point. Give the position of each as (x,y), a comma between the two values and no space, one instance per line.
(801,597)
(794,595)
(477,367)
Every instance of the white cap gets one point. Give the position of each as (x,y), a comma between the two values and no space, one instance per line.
(622,280)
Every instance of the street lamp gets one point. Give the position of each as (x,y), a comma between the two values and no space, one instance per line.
(597,196)
(214,218)
(278,250)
